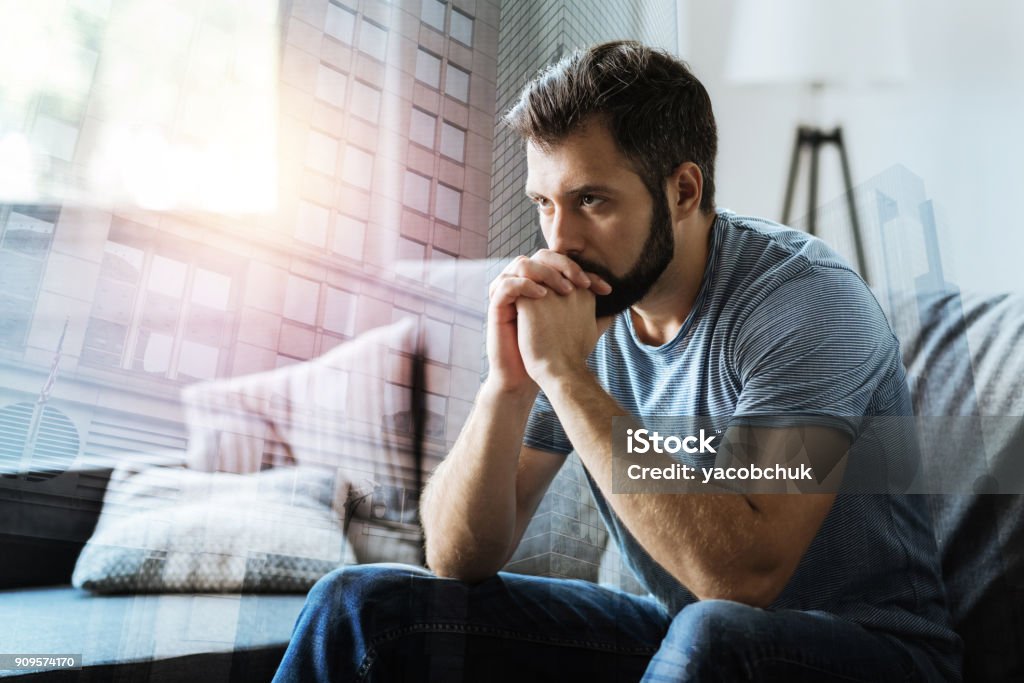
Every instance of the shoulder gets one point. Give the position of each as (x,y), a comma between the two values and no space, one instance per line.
(767,269)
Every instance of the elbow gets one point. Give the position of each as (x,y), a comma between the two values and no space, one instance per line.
(450,564)
(459,573)
(754,588)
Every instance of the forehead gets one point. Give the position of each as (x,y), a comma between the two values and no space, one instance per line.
(587,156)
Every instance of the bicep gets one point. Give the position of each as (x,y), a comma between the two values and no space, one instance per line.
(536,471)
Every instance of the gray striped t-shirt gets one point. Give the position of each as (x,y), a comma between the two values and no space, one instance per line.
(783,326)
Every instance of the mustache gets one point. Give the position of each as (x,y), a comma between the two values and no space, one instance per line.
(595,268)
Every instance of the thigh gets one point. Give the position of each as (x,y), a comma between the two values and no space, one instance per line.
(509,627)
(720,640)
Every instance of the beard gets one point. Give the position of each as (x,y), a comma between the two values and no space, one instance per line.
(654,258)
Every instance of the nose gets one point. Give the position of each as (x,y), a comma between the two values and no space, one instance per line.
(564,233)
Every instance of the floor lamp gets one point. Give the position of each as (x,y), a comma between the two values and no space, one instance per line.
(814,44)
(813,139)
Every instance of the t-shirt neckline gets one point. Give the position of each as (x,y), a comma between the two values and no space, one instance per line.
(710,266)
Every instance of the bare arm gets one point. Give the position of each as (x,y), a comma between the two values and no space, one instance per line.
(481,498)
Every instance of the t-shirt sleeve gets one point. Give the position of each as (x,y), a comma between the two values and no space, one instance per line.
(544,430)
(816,350)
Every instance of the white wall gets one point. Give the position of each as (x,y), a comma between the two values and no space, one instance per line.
(958,124)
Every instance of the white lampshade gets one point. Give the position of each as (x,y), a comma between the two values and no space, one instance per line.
(828,42)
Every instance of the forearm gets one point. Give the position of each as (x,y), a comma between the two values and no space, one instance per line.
(469,506)
(713,544)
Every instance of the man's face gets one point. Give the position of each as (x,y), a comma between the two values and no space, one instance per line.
(594,208)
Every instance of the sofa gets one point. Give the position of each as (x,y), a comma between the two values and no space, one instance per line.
(964,361)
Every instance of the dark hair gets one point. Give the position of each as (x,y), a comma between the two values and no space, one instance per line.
(657,111)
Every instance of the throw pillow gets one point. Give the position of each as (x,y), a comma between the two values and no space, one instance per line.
(176,530)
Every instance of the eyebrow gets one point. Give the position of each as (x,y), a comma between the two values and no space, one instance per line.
(590,188)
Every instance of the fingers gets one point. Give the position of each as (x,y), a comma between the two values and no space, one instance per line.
(507,288)
(565,266)
(545,274)
(598,284)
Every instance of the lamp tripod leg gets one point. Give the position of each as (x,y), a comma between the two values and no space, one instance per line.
(794,169)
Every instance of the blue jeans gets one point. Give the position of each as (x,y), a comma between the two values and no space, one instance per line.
(391,622)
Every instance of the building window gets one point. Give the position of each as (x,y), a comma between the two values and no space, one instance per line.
(428,68)
(166,315)
(448,204)
(365,101)
(409,250)
(456,83)
(432,13)
(311,223)
(330,85)
(349,237)
(443,274)
(341,23)
(301,299)
(322,152)
(373,40)
(421,128)
(453,142)
(358,167)
(340,312)
(462,28)
(416,193)
(26,233)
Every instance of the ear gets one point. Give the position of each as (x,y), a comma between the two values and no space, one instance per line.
(685,189)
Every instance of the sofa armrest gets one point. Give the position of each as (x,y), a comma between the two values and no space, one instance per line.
(45,522)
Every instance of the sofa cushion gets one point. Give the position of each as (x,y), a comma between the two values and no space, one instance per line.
(172,530)
(177,637)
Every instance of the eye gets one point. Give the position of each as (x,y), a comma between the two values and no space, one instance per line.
(541,202)
(590,200)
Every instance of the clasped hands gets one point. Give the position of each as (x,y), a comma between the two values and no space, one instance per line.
(541,321)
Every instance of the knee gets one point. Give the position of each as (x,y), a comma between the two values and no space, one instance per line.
(711,632)
(354,589)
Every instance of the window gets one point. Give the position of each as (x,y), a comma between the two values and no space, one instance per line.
(301,298)
(365,101)
(416,193)
(438,340)
(432,13)
(330,85)
(462,28)
(26,233)
(341,23)
(54,137)
(453,141)
(448,204)
(198,361)
(311,223)
(416,253)
(211,289)
(358,167)
(456,83)
(373,40)
(322,152)
(428,68)
(162,314)
(340,312)
(421,127)
(29,229)
(349,236)
(443,273)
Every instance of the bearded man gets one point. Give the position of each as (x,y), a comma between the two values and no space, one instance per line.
(650,301)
